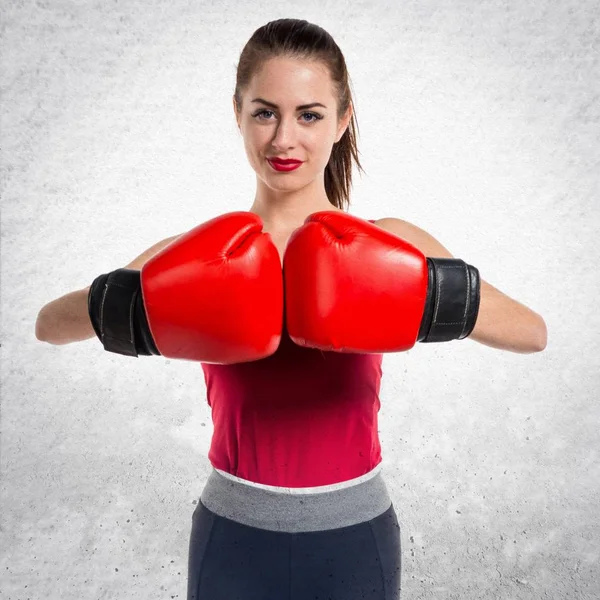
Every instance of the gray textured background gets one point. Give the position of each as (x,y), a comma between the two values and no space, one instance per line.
(479,122)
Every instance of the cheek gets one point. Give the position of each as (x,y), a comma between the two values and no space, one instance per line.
(256,140)
(323,145)
(253,147)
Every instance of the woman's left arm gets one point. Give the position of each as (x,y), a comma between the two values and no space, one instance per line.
(502,322)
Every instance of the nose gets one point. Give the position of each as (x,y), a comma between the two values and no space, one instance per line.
(285,134)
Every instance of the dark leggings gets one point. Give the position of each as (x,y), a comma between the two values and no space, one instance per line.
(232,561)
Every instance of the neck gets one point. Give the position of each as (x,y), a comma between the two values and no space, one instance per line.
(288,210)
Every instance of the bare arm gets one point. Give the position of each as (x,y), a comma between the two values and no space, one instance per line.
(503,323)
(66,320)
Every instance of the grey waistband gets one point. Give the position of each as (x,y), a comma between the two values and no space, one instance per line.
(316,510)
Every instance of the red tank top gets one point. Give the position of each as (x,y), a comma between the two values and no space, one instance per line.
(299,418)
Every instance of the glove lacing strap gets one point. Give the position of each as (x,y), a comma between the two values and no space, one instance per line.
(117,313)
(452,303)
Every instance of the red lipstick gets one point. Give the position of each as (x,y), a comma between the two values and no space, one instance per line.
(284,164)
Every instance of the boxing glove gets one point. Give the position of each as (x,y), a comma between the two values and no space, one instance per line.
(351,286)
(213,295)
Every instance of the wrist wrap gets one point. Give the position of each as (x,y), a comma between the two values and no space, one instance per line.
(116,310)
(452,303)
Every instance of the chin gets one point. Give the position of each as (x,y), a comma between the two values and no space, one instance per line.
(285,188)
(285,183)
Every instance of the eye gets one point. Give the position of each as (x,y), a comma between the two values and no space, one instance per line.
(315,115)
(262,112)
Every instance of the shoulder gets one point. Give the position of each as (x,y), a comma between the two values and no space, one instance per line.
(416,236)
(139,261)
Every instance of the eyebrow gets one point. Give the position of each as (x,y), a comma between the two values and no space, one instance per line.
(302,107)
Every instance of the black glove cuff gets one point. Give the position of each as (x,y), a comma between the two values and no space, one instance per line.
(95,303)
(116,310)
(452,303)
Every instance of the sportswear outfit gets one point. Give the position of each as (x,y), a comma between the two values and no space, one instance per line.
(295,507)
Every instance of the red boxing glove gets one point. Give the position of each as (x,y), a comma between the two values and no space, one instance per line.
(216,293)
(351,286)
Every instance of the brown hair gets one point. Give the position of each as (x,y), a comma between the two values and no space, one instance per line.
(300,39)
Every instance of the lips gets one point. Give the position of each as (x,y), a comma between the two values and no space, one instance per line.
(285,161)
(284,165)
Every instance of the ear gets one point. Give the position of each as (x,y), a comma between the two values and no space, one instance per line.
(344,122)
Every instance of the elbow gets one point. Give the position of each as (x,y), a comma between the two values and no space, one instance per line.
(39,330)
(542,344)
(542,337)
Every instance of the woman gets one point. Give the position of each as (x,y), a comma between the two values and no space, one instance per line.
(295,506)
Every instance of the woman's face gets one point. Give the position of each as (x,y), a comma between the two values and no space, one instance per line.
(274,126)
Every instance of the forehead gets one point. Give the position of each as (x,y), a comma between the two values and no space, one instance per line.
(302,79)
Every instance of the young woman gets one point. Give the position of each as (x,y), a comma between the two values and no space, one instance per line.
(295,506)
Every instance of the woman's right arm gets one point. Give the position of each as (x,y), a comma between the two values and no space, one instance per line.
(66,319)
